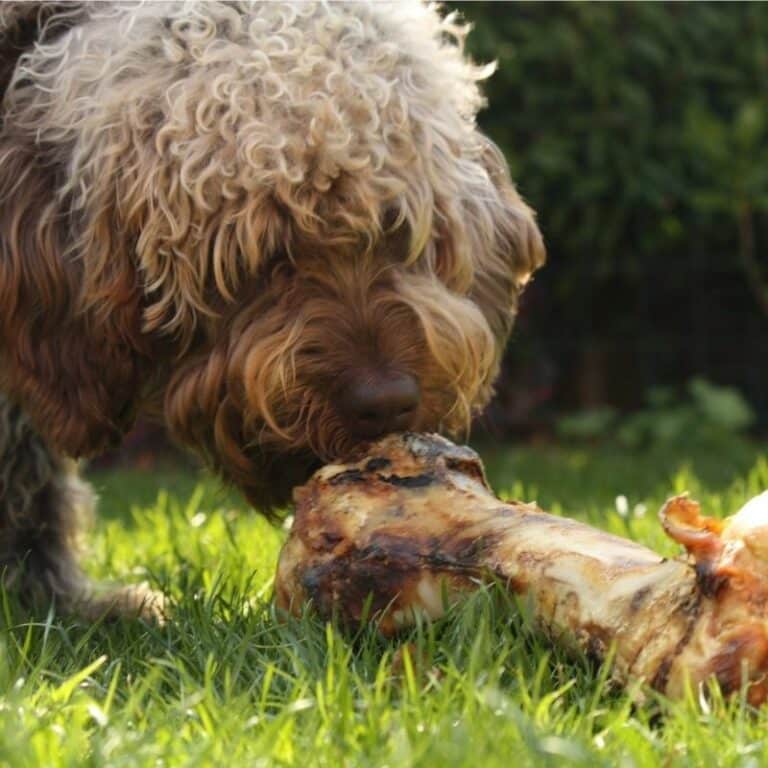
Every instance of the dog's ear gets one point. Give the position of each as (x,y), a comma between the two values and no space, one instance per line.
(518,240)
(503,237)
(76,372)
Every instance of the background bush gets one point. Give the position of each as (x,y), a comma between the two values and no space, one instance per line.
(708,416)
(639,132)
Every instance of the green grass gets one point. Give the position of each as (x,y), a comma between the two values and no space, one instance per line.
(225,683)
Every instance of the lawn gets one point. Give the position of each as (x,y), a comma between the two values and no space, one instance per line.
(224,683)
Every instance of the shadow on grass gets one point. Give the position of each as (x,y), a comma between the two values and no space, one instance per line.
(121,490)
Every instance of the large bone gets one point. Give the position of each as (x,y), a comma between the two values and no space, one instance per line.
(413,526)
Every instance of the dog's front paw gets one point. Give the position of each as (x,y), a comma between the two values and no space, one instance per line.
(135,601)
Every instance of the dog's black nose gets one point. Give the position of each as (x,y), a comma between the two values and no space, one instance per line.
(376,404)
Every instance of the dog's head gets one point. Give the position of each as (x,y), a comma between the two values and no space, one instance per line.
(277,224)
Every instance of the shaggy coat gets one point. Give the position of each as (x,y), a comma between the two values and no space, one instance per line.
(214,214)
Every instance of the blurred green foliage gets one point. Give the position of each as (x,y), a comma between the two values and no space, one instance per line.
(639,131)
(708,415)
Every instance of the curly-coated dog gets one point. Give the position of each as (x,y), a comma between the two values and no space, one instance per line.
(275,227)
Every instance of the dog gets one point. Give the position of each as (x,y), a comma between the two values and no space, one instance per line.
(274,227)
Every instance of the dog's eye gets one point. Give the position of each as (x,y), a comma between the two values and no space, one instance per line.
(312,350)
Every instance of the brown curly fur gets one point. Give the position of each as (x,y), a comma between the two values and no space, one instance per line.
(216,213)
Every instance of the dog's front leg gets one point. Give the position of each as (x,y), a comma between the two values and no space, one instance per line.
(44,506)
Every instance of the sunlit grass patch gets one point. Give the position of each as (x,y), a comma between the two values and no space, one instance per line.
(226,682)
